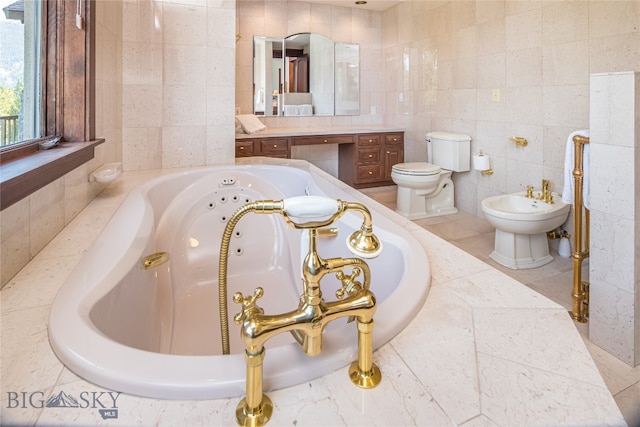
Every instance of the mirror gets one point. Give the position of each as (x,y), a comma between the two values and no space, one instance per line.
(267,75)
(305,74)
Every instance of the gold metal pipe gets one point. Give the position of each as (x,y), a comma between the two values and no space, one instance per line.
(580,292)
(256,408)
(363,372)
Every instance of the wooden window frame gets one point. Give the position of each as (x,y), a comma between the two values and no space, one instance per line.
(67,104)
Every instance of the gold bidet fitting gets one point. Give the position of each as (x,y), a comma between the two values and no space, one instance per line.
(306,323)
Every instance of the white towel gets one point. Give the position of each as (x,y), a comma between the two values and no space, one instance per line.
(305,110)
(250,123)
(569,165)
(290,110)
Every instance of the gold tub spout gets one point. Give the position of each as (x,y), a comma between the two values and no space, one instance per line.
(306,323)
(155,260)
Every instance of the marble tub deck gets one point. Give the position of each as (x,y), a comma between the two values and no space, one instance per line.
(484,350)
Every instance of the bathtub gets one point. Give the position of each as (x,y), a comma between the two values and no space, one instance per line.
(156,332)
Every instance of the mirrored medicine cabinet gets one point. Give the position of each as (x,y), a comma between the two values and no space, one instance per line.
(305,74)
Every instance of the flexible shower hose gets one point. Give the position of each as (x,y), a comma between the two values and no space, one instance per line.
(262,206)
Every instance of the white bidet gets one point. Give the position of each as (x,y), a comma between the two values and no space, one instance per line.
(521,226)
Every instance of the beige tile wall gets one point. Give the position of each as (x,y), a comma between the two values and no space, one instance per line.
(445,59)
(179,83)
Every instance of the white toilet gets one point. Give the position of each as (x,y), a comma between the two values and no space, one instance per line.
(426,189)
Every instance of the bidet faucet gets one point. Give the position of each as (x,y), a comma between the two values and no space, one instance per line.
(545,186)
(530,191)
(307,322)
(546,195)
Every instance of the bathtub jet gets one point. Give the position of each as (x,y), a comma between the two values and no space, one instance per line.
(155,332)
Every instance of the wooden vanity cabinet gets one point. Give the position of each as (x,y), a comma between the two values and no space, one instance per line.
(392,153)
(270,147)
(323,139)
(368,162)
(364,159)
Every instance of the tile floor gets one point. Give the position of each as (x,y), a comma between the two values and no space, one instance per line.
(475,236)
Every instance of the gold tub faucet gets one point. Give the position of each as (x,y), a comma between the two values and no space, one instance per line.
(306,323)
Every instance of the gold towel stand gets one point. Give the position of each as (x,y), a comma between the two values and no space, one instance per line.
(580,293)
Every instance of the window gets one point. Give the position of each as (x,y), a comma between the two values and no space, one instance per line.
(20,30)
(66,106)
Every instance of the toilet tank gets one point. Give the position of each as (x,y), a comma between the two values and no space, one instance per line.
(450,151)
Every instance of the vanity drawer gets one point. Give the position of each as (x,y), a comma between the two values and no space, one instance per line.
(274,146)
(323,139)
(371,172)
(244,148)
(369,139)
(368,155)
(394,138)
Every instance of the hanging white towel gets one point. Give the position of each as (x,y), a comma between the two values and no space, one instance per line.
(569,165)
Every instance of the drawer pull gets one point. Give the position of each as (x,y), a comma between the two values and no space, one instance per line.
(371,140)
(388,152)
(395,139)
(370,173)
(370,155)
(325,140)
(275,145)
(242,148)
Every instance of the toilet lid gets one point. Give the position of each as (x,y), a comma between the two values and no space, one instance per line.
(416,168)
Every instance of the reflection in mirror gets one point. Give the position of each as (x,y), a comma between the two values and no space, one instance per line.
(301,76)
(322,79)
(347,79)
(297,63)
(268,70)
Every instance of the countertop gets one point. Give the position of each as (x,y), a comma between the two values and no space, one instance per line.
(310,131)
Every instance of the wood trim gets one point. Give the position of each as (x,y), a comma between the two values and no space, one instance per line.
(25,175)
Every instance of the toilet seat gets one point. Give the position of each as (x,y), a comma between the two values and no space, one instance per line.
(416,169)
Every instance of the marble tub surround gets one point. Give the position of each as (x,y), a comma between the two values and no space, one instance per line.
(484,349)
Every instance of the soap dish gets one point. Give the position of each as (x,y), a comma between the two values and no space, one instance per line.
(107,173)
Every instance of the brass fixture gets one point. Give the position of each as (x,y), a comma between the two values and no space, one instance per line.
(238,37)
(558,234)
(486,171)
(522,142)
(328,232)
(530,191)
(306,323)
(545,195)
(155,260)
(580,292)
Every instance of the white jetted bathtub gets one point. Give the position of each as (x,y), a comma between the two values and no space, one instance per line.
(156,332)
